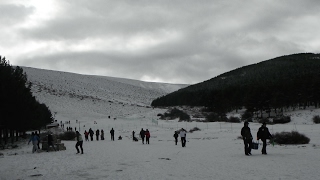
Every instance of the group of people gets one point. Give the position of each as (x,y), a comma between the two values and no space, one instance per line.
(99,133)
(145,134)
(263,134)
(35,139)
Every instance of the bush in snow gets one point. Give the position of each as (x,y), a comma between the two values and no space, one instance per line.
(184,117)
(282,120)
(69,135)
(214,117)
(194,129)
(234,119)
(176,113)
(265,120)
(293,137)
(316,119)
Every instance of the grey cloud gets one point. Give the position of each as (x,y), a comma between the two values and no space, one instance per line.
(11,14)
(212,37)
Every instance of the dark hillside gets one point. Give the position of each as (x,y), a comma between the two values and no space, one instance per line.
(292,80)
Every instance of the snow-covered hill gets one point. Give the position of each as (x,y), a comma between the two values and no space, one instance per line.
(214,152)
(93,96)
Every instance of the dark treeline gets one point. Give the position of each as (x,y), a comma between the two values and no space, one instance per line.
(287,81)
(19,110)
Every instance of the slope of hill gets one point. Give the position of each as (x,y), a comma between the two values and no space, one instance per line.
(93,95)
(291,80)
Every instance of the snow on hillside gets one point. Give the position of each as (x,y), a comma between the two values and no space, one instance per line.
(96,96)
(214,152)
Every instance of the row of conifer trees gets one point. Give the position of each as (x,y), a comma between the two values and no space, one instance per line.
(19,109)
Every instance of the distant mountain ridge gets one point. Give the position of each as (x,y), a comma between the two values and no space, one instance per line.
(292,80)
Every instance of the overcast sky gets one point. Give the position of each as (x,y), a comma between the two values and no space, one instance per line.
(182,41)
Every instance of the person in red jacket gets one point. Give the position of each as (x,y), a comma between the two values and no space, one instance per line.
(86,135)
(147,133)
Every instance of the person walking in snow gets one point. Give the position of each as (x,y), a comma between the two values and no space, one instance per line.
(79,142)
(102,134)
(142,135)
(34,139)
(176,135)
(112,134)
(86,135)
(264,134)
(97,134)
(247,138)
(183,136)
(91,134)
(50,142)
(147,133)
(36,134)
(133,138)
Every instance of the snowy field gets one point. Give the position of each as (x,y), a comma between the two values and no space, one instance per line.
(215,152)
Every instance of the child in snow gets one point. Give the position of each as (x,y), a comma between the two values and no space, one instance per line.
(35,139)
(176,135)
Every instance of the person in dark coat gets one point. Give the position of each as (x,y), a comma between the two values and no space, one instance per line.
(176,135)
(97,134)
(133,138)
(50,142)
(112,134)
(247,138)
(91,134)
(264,134)
(102,134)
(142,135)
(147,133)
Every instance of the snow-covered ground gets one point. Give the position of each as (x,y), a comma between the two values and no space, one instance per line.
(215,152)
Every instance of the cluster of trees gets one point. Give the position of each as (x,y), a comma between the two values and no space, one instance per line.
(19,110)
(287,81)
(175,113)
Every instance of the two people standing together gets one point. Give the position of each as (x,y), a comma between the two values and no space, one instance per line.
(263,134)
(182,135)
(145,134)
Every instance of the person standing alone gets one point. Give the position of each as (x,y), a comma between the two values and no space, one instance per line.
(247,138)
(112,134)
